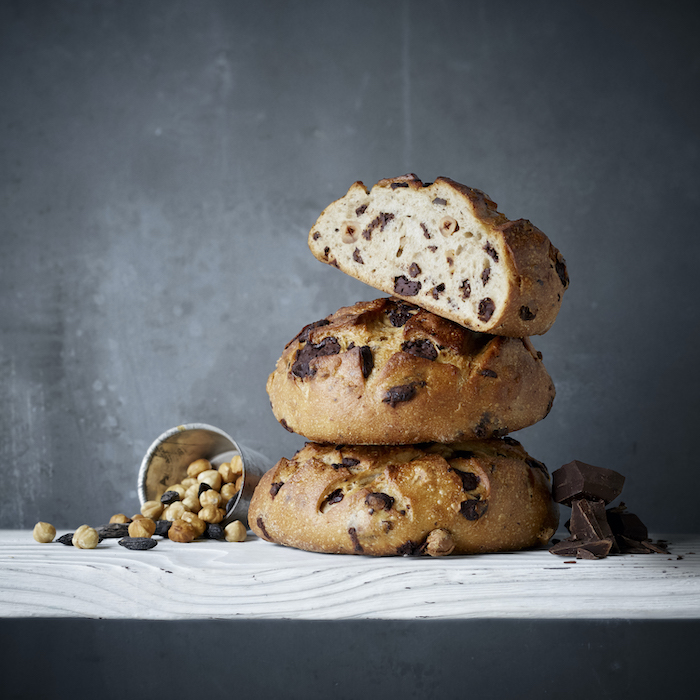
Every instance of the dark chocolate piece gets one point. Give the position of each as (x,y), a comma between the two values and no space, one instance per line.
(473,509)
(486,309)
(595,549)
(440,200)
(335,496)
(488,373)
(214,531)
(305,332)
(400,312)
(357,257)
(491,251)
(379,221)
(469,480)
(366,361)
(466,289)
(438,290)
(485,276)
(420,348)
(399,394)
(275,488)
(203,486)
(66,539)
(580,480)
(626,524)
(355,542)
(301,368)
(589,522)
(379,501)
(406,287)
(261,524)
(361,210)
(526,314)
(395,185)
(285,425)
(408,549)
(414,270)
(426,233)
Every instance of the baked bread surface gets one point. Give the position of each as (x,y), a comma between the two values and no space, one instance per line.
(386,372)
(472,497)
(445,247)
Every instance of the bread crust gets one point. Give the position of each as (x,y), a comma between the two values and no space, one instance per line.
(445,247)
(387,372)
(467,498)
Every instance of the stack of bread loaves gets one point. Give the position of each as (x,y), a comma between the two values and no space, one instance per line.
(408,400)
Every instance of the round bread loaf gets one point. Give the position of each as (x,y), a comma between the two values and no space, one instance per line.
(386,372)
(465,498)
(445,247)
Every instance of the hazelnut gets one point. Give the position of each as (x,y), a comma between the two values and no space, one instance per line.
(173,511)
(192,503)
(210,498)
(143,527)
(188,481)
(230,471)
(181,531)
(235,532)
(152,509)
(85,537)
(211,477)
(228,491)
(44,532)
(197,467)
(119,518)
(239,483)
(439,543)
(448,226)
(349,232)
(198,525)
(211,514)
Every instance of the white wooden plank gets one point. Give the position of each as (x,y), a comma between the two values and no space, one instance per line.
(255,579)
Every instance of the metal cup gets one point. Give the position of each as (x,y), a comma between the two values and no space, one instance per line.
(169,456)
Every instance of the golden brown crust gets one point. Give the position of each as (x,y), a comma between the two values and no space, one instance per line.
(472,497)
(388,372)
(447,248)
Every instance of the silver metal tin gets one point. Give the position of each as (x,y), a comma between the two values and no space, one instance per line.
(169,456)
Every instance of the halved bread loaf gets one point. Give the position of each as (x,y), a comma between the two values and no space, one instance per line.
(445,247)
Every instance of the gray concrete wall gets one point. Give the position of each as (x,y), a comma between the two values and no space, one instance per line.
(161,164)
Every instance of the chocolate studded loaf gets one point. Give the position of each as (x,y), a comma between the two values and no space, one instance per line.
(445,247)
(480,496)
(386,372)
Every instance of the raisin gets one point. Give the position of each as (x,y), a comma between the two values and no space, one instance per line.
(379,501)
(399,394)
(301,368)
(357,257)
(169,497)
(491,251)
(66,539)
(486,309)
(138,543)
(526,314)
(361,210)
(485,275)
(275,488)
(414,270)
(473,509)
(406,287)
(366,361)
(420,348)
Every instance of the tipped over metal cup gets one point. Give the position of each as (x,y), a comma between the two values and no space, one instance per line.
(169,456)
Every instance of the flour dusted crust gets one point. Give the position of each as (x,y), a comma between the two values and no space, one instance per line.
(472,497)
(387,372)
(445,247)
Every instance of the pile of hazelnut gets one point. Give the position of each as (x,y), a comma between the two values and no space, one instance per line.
(188,510)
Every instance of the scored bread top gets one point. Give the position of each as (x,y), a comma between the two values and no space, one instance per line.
(388,372)
(445,247)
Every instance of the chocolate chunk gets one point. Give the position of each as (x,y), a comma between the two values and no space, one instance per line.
(438,290)
(414,270)
(526,314)
(379,221)
(162,527)
(400,312)
(366,361)
(301,368)
(261,525)
(355,542)
(535,464)
(588,521)
(113,530)
(138,543)
(486,309)
(485,275)
(473,509)
(596,549)
(626,525)
(466,289)
(346,462)
(491,251)
(432,248)
(357,257)
(408,549)
(420,348)
(275,488)
(488,373)
(169,497)
(440,200)
(562,273)
(361,210)
(406,287)
(285,425)
(315,235)
(426,233)
(399,394)
(483,427)
(469,480)
(326,250)
(305,332)
(394,185)
(335,496)
(379,501)
(580,480)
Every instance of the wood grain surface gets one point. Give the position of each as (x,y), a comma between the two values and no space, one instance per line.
(256,579)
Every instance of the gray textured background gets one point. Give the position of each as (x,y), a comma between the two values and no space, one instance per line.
(163,162)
